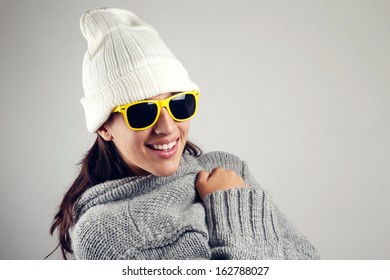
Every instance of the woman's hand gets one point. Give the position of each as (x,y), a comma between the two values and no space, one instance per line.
(218,179)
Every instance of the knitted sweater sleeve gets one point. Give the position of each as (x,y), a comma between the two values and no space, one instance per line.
(244,223)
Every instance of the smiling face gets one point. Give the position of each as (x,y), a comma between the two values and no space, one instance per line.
(156,150)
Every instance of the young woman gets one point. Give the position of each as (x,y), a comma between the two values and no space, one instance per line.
(144,191)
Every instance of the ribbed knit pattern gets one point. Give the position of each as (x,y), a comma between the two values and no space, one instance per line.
(241,225)
(164,218)
(125,61)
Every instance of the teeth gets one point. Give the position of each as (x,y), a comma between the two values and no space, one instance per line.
(165,146)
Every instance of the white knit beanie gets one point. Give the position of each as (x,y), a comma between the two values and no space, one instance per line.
(126,61)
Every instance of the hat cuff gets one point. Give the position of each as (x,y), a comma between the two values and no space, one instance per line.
(135,86)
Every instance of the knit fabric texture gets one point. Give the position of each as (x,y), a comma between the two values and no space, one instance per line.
(125,61)
(154,217)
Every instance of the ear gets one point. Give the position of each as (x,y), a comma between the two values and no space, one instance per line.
(105,133)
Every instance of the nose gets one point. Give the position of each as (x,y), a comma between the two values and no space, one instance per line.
(165,124)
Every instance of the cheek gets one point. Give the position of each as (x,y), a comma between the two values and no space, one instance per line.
(184,127)
(128,141)
(131,142)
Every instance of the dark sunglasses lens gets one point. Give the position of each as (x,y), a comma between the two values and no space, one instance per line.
(183,106)
(141,115)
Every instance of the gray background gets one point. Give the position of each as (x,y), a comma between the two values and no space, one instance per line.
(298,89)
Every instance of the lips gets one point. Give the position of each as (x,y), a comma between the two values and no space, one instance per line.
(163,147)
(164,150)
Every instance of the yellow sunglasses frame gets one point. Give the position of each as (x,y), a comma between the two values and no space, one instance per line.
(160,104)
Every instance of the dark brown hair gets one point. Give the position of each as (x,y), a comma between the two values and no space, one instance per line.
(101,163)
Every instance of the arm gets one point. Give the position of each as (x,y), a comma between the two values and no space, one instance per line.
(243,221)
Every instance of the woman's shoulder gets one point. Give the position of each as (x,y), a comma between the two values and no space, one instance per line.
(222,159)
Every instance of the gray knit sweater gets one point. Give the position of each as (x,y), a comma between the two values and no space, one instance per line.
(154,217)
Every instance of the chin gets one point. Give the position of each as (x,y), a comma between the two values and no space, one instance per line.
(167,169)
(165,172)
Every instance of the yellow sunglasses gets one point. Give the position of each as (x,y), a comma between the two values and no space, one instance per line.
(143,114)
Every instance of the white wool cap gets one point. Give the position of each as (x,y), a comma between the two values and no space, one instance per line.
(126,61)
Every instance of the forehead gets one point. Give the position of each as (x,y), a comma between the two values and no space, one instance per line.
(161,96)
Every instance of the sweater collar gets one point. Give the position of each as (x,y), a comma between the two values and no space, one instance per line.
(115,190)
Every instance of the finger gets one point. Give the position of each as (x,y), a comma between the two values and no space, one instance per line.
(201,182)
(216,170)
(202,177)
